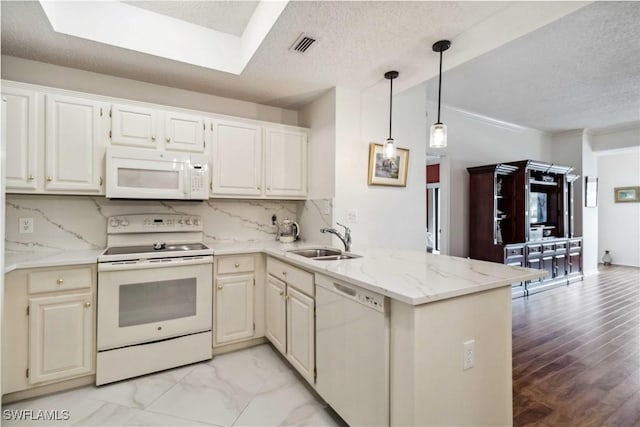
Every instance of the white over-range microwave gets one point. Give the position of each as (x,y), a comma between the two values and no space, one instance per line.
(133,173)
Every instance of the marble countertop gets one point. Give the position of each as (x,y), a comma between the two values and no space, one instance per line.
(16,260)
(413,277)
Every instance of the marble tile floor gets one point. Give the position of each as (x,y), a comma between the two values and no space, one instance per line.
(252,387)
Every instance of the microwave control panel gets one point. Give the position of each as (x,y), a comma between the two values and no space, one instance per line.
(199,179)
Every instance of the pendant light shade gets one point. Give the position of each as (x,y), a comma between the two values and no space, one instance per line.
(390,144)
(438,134)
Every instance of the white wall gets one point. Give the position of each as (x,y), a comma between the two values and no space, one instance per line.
(317,211)
(627,136)
(476,141)
(618,223)
(386,216)
(27,71)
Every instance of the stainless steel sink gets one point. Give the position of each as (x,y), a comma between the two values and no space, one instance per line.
(336,257)
(323,254)
(315,253)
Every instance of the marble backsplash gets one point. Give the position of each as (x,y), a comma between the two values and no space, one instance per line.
(80,222)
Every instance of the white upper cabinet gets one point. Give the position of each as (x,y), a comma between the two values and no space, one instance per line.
(74,144)
(285,163)
(236,159)
(184,132)
(22,172)
(134,126)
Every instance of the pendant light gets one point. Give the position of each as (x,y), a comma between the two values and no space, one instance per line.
(438,138)
(390,144)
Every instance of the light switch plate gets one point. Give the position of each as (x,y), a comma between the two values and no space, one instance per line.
(26,225)
(352,216)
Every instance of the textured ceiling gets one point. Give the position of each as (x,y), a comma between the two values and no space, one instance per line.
(228,16)
(577,71)
(357,43)
(581,71)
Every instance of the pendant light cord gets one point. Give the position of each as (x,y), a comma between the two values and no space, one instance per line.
(439,85)
(390,104)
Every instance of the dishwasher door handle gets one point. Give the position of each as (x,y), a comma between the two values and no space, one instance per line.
(344,289)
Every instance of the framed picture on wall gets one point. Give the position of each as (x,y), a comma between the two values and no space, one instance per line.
(384,171)
(627,194)
(590,191)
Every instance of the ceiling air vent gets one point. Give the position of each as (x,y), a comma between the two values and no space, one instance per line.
(302,43)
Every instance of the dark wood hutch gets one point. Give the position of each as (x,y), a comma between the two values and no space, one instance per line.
(521,213)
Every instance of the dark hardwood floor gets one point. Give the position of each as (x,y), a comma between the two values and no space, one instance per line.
(576,353)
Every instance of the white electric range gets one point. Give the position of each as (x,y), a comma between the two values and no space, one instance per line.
(154,296)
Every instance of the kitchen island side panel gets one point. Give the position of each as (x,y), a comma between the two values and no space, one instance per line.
(428,383)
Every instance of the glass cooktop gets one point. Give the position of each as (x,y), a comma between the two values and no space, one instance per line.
(154,248)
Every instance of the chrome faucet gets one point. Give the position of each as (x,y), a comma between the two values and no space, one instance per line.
(346,239)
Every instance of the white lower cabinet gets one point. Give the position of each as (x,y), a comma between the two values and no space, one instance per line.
(234,308)
(236,312)
(60,337)
(300,332)
(290,315)
(48,325)
(276,313)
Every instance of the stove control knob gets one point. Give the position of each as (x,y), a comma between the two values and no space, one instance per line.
(188,221)
(124,223)
(196,221)
(180,221)
(114,222)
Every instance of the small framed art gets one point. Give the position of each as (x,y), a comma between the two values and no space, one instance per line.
(391,171)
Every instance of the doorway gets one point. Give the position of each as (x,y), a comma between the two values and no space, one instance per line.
(433,220)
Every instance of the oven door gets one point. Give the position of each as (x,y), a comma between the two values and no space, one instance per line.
(152,300)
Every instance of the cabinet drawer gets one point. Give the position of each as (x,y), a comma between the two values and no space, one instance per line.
(300,279)
(59,280)
(548,248)
(575,244)
(236,264)
(561,247)
(511,251)
(534,250)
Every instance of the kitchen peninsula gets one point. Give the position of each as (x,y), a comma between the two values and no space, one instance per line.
(435,304)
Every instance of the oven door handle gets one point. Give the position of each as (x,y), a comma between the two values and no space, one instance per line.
(160,263)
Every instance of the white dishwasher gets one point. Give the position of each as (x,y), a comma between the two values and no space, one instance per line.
(352,351)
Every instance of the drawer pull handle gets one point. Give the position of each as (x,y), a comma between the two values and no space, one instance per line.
(219,286)
(168,140)
(49,178)
(31,177)
(284,273)
(236,265)
(60,281)
(287,297)
(87,304)
(153,137)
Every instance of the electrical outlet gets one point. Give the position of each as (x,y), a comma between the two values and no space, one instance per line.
(26,225)
(468,354)
(352,216)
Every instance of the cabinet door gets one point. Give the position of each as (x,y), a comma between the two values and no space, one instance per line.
(286,163)
(300,333)
(275,313)
(60,337)
(234,308)
(22,138)
(184,132)
(74,145)
(134,126)
(236,159)
(548,265)
(561,265)
(575,262)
